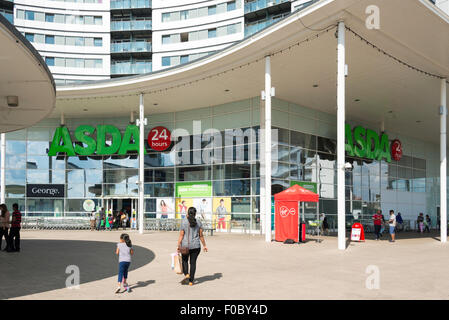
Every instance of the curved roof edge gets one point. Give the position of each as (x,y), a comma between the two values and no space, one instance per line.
(17,34)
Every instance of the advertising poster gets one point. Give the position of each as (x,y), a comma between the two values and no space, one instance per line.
(193,189)
(182,204)
(203,208)
(165,208)
(221,212)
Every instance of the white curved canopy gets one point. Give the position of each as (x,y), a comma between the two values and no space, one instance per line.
(24,74)
(414,31)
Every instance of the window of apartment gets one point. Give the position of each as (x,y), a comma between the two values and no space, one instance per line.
(70,19)
(174,61)
(98,63)
(232,29)
(70,62)
(70,41)
(49,17)
(89,19)
(79,19)
(29,15)
(184,37)
(212,33)
(193,35)
(222,31)
(231,5)
(89,63)
(166,39)
(49,39)
(79,63)
(211,10)
(50,61)
(175,38)
(221,8)
(89,42)
(166,16)
(79,41)
(184,59)
(98,20)
(39,16)
(98,42)
(29,37)
(202,34)
(202,12)
(39,38)
(193,13)
(20,14)
(165,61)
(59,18)
(59,62)
(60,40)
(184,15)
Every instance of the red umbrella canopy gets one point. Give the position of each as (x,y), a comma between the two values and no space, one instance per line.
(297,193)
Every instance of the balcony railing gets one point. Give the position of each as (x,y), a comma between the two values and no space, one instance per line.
(253,28)
(132,46)
(261,4)
(130,4)
(8,16)
(129,25)
(128,67)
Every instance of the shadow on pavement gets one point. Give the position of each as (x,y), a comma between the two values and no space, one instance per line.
(41,264)
(142,284)
(215,276)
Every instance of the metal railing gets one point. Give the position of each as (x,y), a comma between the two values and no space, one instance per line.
(132,46)
(55,223)
(130,4)
(261,4)
(131,67)
(129,25)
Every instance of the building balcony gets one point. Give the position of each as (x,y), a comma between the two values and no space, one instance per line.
(132,46)
(261,4)
(255,27)
(131,25)
(129,68)
(130,4)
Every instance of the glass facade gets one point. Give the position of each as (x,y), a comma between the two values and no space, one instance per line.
(305,150)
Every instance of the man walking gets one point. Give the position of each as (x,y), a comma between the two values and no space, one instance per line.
(377,219)
(392,225)
(14,232)
(99,217)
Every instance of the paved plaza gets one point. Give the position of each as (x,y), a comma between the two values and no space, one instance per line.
(237,266)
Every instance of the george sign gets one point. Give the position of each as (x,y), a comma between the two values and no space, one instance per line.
(89,205)
(311,186)
(396,149)
(366,143)
(159,138)
(45,191)
(194,189)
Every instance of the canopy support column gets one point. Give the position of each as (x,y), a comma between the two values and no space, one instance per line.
(141,123)
(2,173)
(443,164)
(341,91)
(267,149)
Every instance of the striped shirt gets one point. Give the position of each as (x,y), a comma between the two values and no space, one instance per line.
(17,219)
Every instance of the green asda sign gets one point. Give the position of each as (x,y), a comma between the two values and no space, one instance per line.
(311,186)
(93,141)
(193,189)
(366,143)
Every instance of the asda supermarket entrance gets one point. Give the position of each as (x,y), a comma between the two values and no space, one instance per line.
(114,205)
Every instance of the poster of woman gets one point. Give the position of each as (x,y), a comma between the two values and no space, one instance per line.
(182,204)
(165,208)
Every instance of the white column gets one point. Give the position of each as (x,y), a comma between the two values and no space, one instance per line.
(142,123)
(267,153)
(443,163)
(3,161)
(341,136)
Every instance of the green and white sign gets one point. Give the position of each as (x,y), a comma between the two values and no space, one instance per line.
(311,186)
(93,141)
(193,189)
(366,143)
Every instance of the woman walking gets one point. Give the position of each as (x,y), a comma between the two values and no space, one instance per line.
(4,226)
(189,244)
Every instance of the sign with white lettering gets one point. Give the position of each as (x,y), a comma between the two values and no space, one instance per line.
(45,190)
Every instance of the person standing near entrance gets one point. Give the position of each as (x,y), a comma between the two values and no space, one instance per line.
(399,222)
(92,220)
(392,225)
(14,232)
(189,244)
(377,220)
(427,223)
(4,226)
(420,222)
(98,218)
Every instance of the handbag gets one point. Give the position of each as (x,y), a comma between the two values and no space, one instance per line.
(177,263)
(186,250)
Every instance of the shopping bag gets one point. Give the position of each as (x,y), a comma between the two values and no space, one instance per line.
(177,263)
